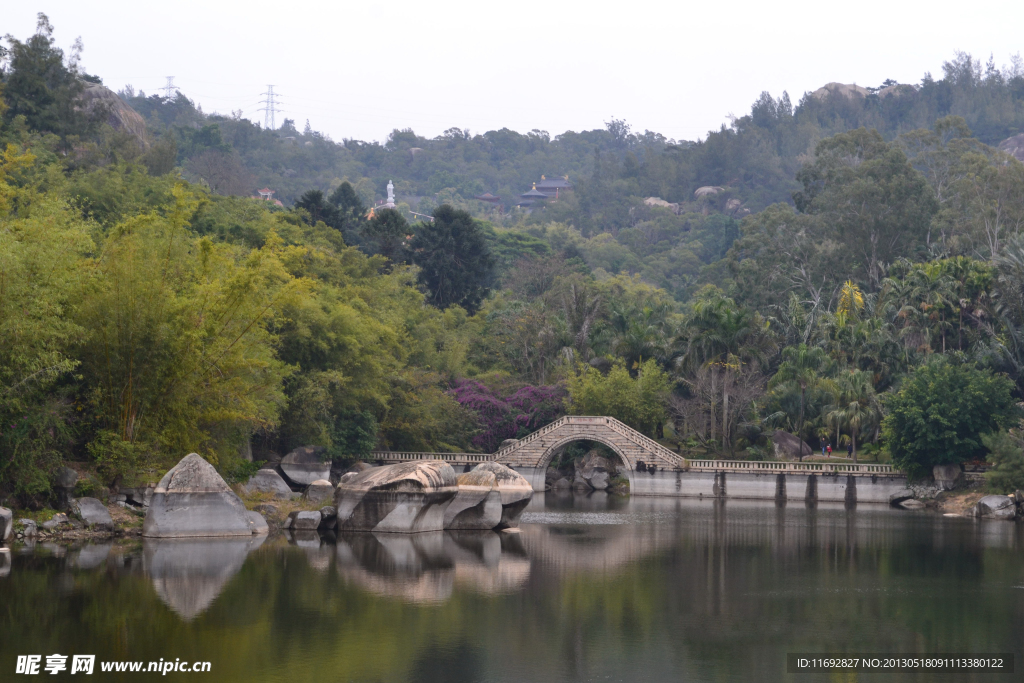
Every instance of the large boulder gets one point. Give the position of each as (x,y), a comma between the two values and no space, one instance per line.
(477,504)
(788,446)
(303,520)
(516,492)
(259,524)
(6,525)
(97,98)
(93,513)
(595,471)
(304,465)
(319,491)
(403,498)
(64,484)
(995,507)
(193,500)
(268,481)
(947,477)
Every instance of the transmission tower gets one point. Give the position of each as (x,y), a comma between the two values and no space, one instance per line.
(270,108)
(169,88)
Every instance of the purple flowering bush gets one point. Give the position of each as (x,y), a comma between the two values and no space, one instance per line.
(509,417)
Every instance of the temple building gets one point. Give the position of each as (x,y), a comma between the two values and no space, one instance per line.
(529,199)
(552,187)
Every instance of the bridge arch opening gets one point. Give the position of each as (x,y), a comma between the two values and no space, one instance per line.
(558,448)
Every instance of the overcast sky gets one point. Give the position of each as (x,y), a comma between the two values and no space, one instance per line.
(360,70)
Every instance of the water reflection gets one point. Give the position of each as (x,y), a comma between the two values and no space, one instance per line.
(594,587)
(189,574)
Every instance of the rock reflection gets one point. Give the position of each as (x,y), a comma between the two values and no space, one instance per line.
(188,575)
(5,562)
(90,556)
(425,567)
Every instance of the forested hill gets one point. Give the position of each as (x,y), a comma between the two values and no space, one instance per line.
(755,159)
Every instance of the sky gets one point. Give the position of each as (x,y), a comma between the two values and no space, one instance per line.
(361,70)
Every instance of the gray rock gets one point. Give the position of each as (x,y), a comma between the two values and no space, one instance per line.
(6,525)
(516,492)
(303,520)
(319,491)
(911,504)
(947,477)
(140,496)
(403,498)
(995,507)
(900,496)
(477,505)
(93,514)
(193,500)
(65,478)
(259,524)
(27,528)
(328,517)
(562,484)
(303,466)
(788,446)
(50,525)
(268,481)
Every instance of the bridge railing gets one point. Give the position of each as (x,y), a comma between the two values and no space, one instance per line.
(406,456)
(644,441)
(790,467)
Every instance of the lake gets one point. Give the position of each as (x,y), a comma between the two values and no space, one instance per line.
(594,588)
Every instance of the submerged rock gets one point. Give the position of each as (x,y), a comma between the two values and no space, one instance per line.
(911,504)
(477,504)
(268,481)
(303,465)
(93,513)
(515,491)
(193,500)
(6,525)
(995,507)
(403,498)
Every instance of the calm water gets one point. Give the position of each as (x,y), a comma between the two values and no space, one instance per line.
(593,589)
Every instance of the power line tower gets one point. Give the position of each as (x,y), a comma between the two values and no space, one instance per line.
(270,108)
(169,88)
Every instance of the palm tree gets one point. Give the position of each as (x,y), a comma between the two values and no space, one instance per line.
(802,370)
(724,337)
(857,406)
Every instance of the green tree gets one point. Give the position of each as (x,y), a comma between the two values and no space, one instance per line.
(455,264)
(43,87)
(803,373)
(1006,453)
(866,190)
(388,230)
(941,411)
(857,408)
(639,402)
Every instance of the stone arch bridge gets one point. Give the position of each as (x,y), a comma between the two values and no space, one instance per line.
(530,455)
(653,469)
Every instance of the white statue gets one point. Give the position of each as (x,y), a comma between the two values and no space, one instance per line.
(391,195)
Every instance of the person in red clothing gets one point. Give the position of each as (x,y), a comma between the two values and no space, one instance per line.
(830,449)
